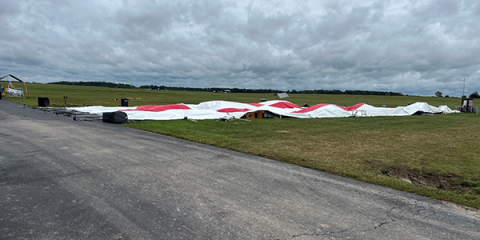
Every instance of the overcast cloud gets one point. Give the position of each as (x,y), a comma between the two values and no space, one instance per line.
(415,47)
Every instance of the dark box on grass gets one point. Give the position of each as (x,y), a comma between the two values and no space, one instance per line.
(115,117)
(43,101)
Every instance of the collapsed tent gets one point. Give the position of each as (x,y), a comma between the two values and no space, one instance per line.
(276,108)
(11,90)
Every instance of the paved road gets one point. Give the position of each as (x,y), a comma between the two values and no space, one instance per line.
(65,179)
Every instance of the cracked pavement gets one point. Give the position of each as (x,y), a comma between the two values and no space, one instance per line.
(65,179)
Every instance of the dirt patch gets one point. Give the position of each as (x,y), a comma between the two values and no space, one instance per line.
(448,181)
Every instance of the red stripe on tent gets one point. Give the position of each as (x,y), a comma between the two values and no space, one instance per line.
(230,110)
(312,108)
(315,107)
(285,105)
(353,107)
(256,104)
(160,108)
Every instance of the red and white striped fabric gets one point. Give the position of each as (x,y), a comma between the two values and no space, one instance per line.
(227,109)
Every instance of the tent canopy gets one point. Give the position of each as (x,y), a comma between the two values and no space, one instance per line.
(227,109)
(18,79)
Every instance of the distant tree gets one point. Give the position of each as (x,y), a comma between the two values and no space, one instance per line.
(438,94)
(474,95)
(447,95)
(96,84)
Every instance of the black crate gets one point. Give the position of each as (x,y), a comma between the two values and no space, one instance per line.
(124,102)
(115,117)
(43,101)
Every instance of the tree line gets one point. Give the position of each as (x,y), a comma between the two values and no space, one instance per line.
(246,90)
(473,95)
(215,89)
(231,90)
(95,84)
(347,92)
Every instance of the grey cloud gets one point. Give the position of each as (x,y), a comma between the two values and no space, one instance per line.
(415,47)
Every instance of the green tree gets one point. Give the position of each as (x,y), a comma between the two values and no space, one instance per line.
(438,94)
(474,95)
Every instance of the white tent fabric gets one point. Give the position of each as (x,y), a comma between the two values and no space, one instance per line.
(14,92)
(229,110)
(371,111)
(446,110)
(216,105)
(100,109)
(327,111)
(421,107)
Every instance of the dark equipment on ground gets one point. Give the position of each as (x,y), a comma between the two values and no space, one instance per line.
(124,102)
(115,117)
(467,105)
(43,101)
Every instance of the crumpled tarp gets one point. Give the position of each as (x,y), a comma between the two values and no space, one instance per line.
(228,110)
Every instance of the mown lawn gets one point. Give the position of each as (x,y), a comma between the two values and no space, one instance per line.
(82,95)
(436,156)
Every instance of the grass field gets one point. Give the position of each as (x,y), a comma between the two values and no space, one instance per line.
(81,95)
(436,156)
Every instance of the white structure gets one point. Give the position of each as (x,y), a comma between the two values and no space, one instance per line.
(227,110)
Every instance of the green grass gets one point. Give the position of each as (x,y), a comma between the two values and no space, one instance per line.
(81,95)
(442,147)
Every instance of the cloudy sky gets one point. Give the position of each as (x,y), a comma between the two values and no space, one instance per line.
(415,47)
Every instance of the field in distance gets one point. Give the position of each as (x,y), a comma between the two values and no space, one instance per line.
(435,156)
(84,95)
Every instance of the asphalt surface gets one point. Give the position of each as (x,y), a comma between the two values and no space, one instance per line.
(65,179)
